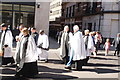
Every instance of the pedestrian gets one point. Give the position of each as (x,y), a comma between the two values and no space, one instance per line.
(34,34)
(43,45)
(78,48)
(27,56)
(18,39)
(89,45)
(6,45)
(64,47)
(116,42)
(98,40)
(93,49)
(68,65)
(107,46)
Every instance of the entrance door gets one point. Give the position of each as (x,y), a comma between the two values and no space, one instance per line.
(90,27)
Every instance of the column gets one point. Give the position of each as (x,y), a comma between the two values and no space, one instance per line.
(42,16)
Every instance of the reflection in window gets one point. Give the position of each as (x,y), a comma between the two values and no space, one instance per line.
(7,6)
(16,7)
(27,8)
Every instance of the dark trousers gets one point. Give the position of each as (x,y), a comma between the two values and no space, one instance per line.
(79,64)
(6,60)
(117,51)
(28,70)
(85,60)
(66,59)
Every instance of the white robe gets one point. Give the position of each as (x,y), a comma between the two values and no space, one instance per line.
(43,54)
(90,46)
(8,41)
(18,44)
(31,53)
(78,47)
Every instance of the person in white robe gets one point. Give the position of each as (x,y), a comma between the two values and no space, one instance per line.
(6,45)
(43,46)
(18,39)
(64,47)
(27,56)
(78,48)
(89,45)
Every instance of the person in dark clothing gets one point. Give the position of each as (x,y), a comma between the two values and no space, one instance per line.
(34,34)
(116,42)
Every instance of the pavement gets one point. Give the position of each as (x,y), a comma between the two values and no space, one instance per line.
(100,67)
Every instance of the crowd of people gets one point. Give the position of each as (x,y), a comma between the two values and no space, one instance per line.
(31,46)
(77,47)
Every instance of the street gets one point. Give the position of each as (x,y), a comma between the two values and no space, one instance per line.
(98,67)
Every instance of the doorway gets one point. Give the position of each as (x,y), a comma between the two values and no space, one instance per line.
(90,27)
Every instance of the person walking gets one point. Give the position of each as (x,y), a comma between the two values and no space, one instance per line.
(6,45)
(117,45)
(64,47)
(27,56)
(78,48)
(107,46)
(43,46)
(34,34)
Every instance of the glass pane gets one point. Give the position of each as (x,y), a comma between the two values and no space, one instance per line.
(27,8)
(16,7)
(7,6)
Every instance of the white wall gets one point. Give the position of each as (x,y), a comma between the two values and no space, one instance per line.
(42,16)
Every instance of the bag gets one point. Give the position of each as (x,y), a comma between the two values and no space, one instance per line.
(1,52)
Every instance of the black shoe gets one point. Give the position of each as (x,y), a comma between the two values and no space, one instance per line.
(68,67)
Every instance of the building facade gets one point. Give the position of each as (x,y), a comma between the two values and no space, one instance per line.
(55,9)
(28,13)
(95,16)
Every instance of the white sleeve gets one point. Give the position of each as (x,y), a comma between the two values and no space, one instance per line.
(8,39)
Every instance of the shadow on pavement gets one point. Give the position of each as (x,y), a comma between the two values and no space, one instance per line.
(101,58)
(47,69)
(54,61)
(102,65)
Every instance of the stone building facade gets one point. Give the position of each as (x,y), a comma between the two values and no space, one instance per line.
(95,16)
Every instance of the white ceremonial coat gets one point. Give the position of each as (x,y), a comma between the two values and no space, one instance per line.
(7,41)
(18,44)
(78,46)
(43,54)
(31,53)
(90,46)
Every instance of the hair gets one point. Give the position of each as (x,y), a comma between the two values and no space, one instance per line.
(107,39)
(33,28)
(87,32)
(3,25)
(25,30)
(75,27)
(41,31)
(66,27)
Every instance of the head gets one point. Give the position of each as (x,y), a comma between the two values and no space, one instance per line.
(41,32)
(25,31)
(75,28)
(91,34)
(33,30)
(87,32)
(107,40)
(4,26)
(66,29)
(118,35)
(97,32)
(21,27)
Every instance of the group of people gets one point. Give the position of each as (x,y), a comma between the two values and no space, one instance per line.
(29,49)
(78,46)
